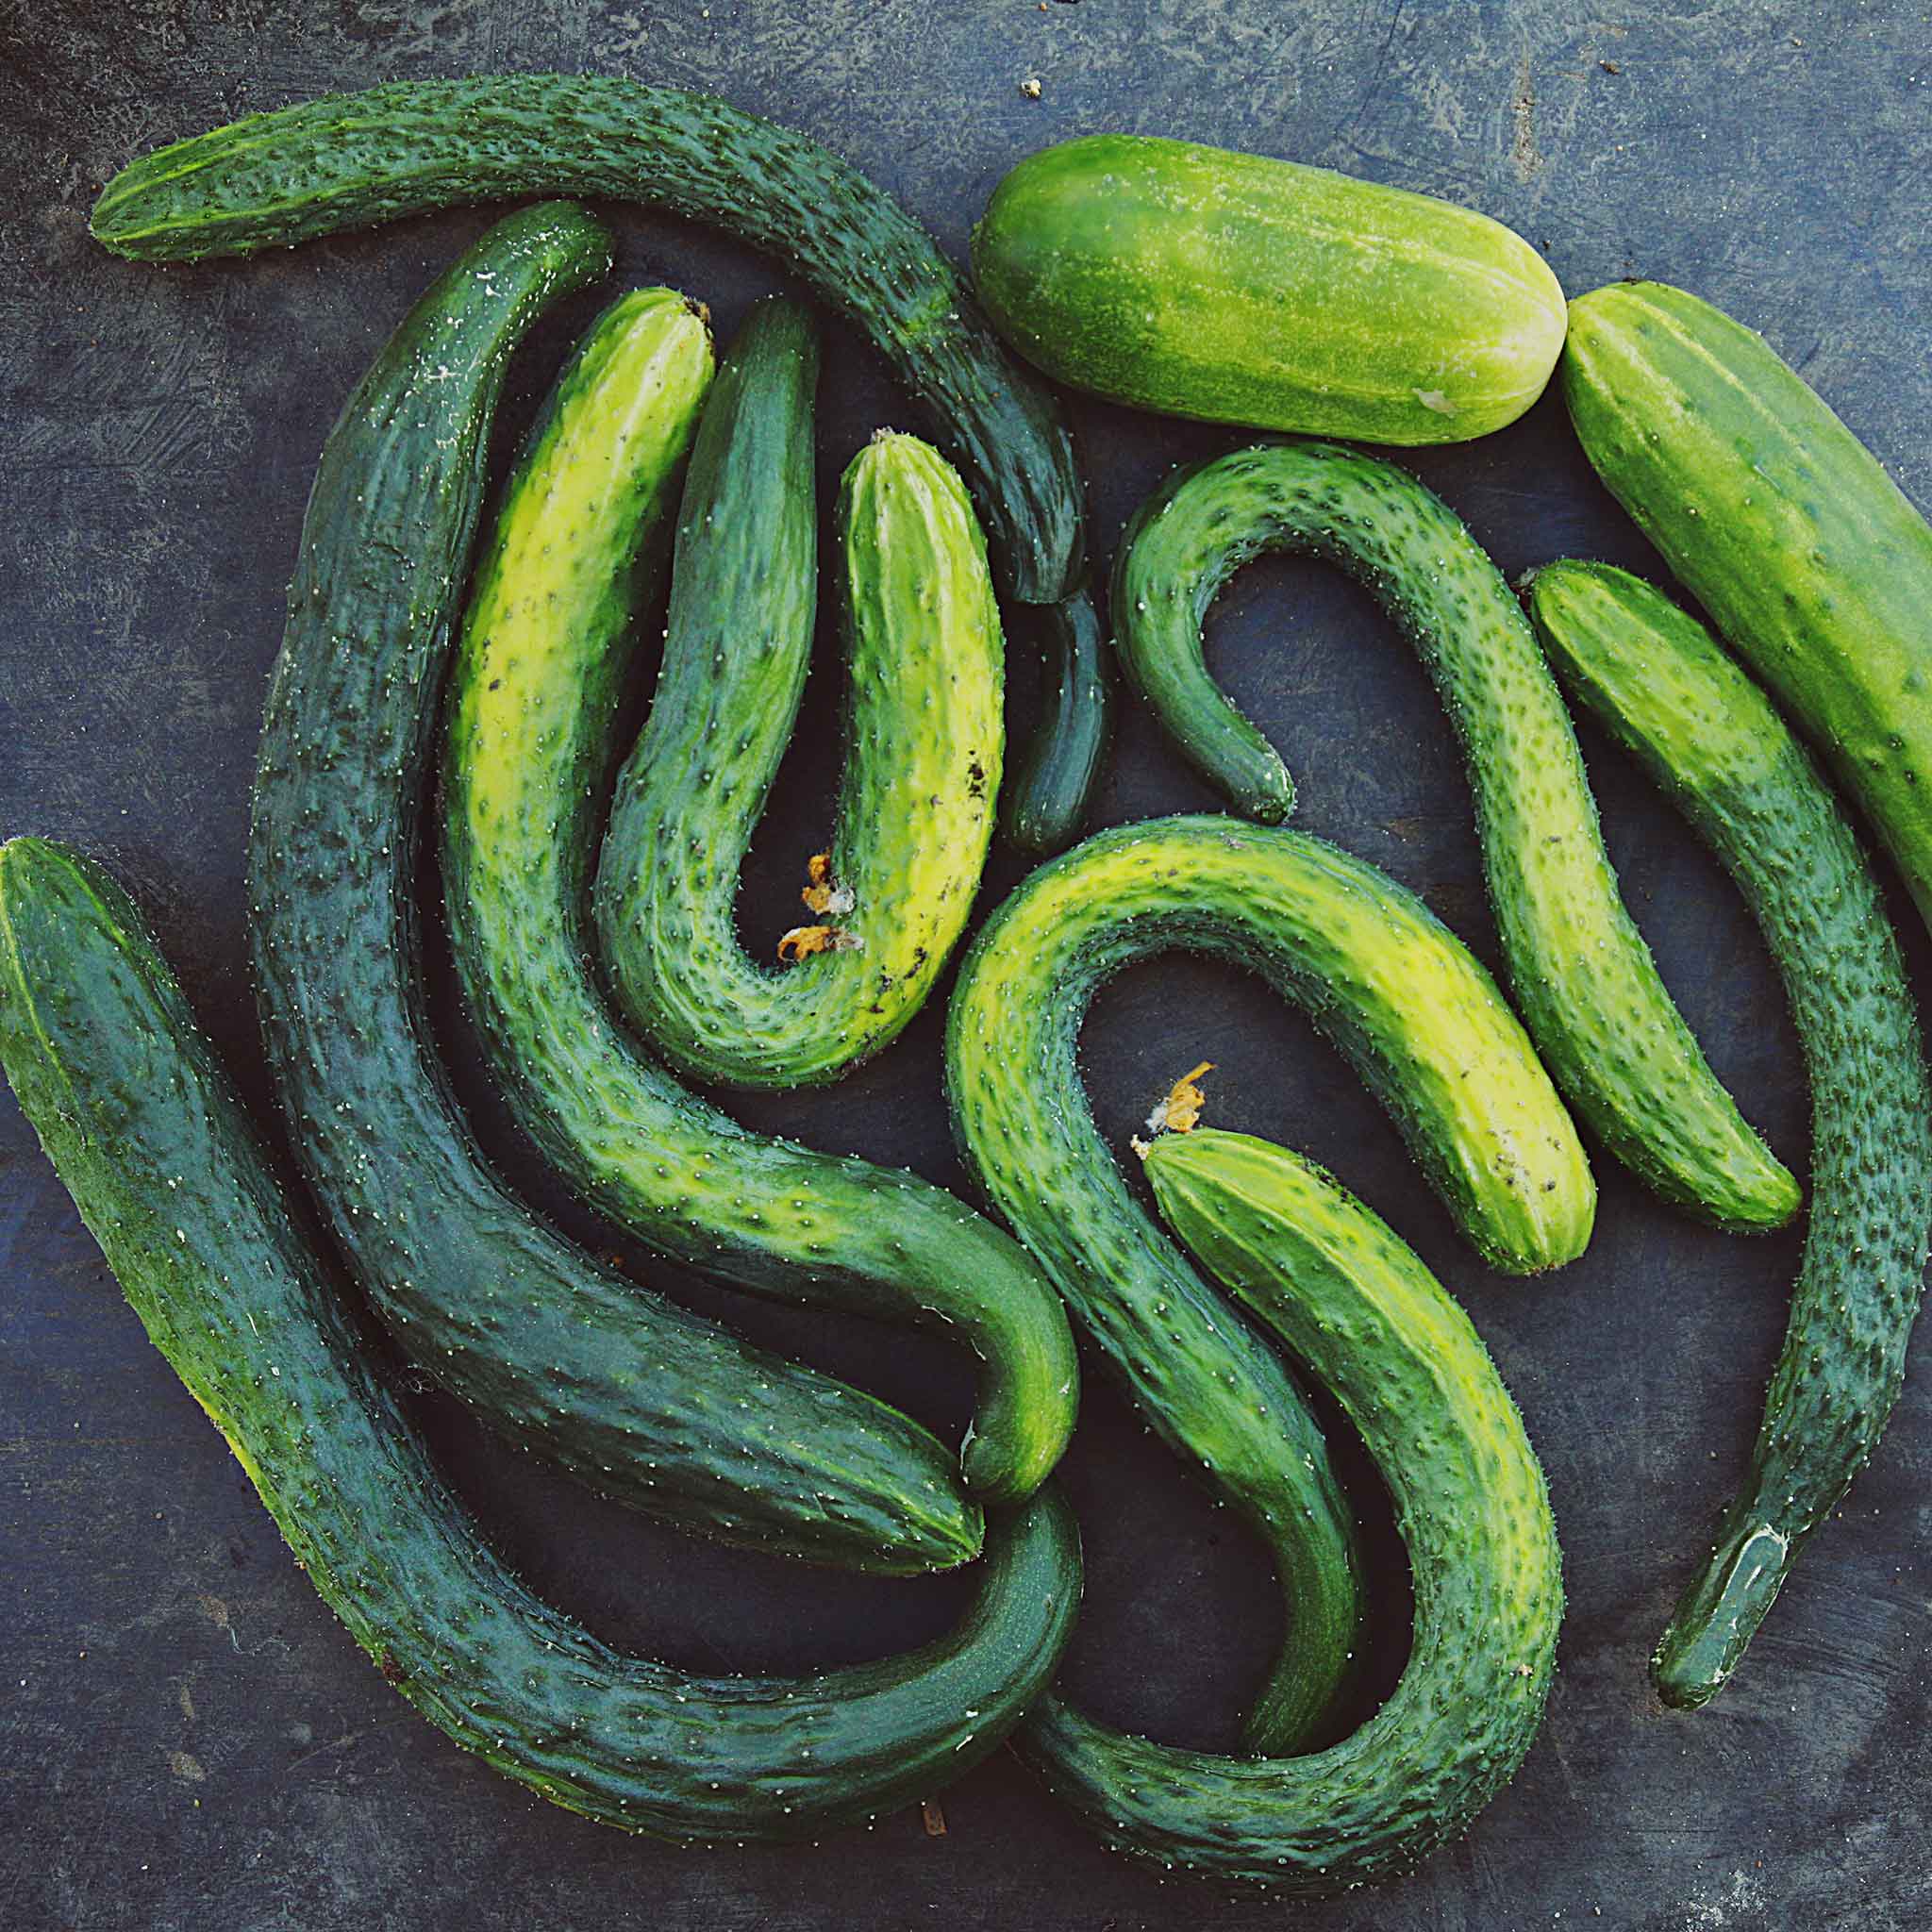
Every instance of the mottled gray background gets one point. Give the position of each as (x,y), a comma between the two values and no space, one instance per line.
(187,1740)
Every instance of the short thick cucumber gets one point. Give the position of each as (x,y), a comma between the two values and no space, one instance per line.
(1812,563)
(1228,285)
(549,641)
(1351,1305)
(145,1129)
(1713,741)
(924,744)
(1421,1019)
(616,1386)
(1579,968)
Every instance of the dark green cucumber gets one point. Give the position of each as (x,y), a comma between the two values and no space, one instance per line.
(1712,740)
(1810,560)
(1229,286)
(1354,1305)
(1424,1024)
(1581,973)
(547,646)
(145,1129)
(616,1386)
(1045,801)
(925,741)
(353,161)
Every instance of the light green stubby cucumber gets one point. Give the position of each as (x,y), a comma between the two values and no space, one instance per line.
(1356,1309)
(1581,974)
(144,1127)
(1712,739)
(1421,1022)
(550,638)
(1201,282)
(925,744)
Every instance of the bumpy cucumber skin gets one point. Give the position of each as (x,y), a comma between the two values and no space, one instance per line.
(145,1129)
(1712,740)
(1045,801)
(1352,1304)
(1582,974)
(355,161)
(925,742)
(547,646)
(1236,289)
(1812,563)
(1422,1023)
(616,1386)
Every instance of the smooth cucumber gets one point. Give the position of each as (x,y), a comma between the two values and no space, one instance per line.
(145,1129)
(1356,1309)
(1712,740)
(1228,285)
(1582,976)
(612,1384)
(1422,1023)
(1812,563)
(924,745)
(1046,799)
(550,640)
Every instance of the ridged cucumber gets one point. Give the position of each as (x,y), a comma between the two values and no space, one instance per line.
(548,643)
(1229,286)
(615,1385)
(1712,740)
(145,1129)
(925,744)
(1810,560)
(1422,1023)
(1353,1305)
(1581,973)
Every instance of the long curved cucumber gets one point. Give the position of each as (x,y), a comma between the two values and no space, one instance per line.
(147,1130)
(1352,1304)
(547,646)
(1422,1023)
(615,1385)
(1207,283)
(1712,740)
(924,745)
(355,161)
(1045,800)
(1812,563)
(1580,970)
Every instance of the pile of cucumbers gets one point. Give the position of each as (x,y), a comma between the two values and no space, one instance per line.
(591,890)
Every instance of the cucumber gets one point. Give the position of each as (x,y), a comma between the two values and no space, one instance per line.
(1230,287)
(147,1130)
(356,160)
(547,646)
(1355,1307)
(1812,563)
(1046,797)
(1424,1024)
(1581,973)
(1711,740)
(925,744)
(615,1386)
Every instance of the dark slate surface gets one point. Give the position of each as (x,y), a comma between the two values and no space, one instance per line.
(188,1739)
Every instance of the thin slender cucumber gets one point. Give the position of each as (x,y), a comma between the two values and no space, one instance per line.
(1711,740)
(616,1386)
(549,641)
(1427,1029)
(1581,973)
(144,1127)
(356,160)
(1813,565)
(1045,800)
(924,744)
(1354,1305)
